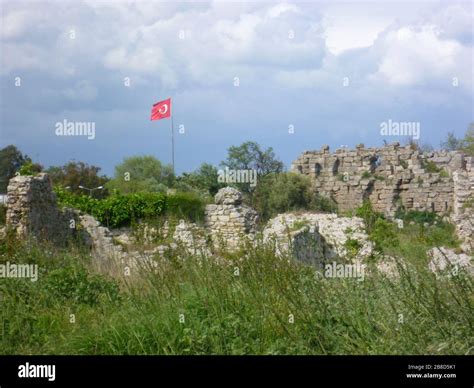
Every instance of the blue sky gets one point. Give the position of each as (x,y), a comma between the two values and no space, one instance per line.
(334,71)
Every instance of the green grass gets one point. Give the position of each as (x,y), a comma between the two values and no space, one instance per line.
(241,307)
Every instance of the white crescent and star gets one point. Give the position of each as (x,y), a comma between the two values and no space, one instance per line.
(166,109)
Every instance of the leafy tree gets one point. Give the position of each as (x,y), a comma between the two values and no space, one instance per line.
(141,174)
(204,180)
(283,192)
(11,159)
(249,156)
(74,174)
(468,142)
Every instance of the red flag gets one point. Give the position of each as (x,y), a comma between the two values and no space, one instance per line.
(161,110)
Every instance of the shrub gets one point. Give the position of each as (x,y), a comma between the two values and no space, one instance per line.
(430,166)
(185,205)
(352,247)
(366,175)
(323,204)
(119,210)
(27,169)
(368,214)
(443,173)
(384,235)
(419,217)
(283,192)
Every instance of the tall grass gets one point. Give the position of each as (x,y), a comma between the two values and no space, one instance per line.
(250,302)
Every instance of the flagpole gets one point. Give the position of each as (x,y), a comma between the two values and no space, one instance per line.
(172,142)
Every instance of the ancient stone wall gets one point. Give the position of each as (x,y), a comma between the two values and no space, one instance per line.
(463,205)
(32,210)
(229,220)
(390,177)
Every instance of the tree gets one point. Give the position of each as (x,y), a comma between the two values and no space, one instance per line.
(452,143)
(11,159)
(141,174)
(74,174)
(249,156)
(466,144)
(204,180)
(282,192)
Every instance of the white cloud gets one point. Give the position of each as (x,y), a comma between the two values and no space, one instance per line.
(411,56)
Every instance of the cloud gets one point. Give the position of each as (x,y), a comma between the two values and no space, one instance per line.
(291,60)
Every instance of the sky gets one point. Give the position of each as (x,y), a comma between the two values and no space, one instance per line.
(289,75)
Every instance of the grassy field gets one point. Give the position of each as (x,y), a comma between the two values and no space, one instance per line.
(254,304)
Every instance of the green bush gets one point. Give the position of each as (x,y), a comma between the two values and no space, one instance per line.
(282,192)
(369,215)
(116,210)
(27,169)
(430,166)
(384,234)
(322,204)
(185,205)
(417,216)
(119,210)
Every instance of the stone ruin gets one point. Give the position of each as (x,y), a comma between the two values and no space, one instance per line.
(391,177)
(228,221)
(32,210)
(388,177)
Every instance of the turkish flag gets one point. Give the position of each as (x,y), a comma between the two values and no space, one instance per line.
(161,110)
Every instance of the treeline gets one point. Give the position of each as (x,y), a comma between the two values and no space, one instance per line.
(274,190)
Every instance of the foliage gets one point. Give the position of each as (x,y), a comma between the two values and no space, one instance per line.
(417,216)
(451,143)
(384,235)
(352,247)
(231,315)
(141,174)
(11,159)
(369,215)
(77,285)
(249,156)
(185,205)
(120,210)
(204,180)
(29,168)
(280,193)
(74,174)
(430,166)
(466,144)
(323,204)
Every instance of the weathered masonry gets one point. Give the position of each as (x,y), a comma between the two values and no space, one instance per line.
(389,177)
